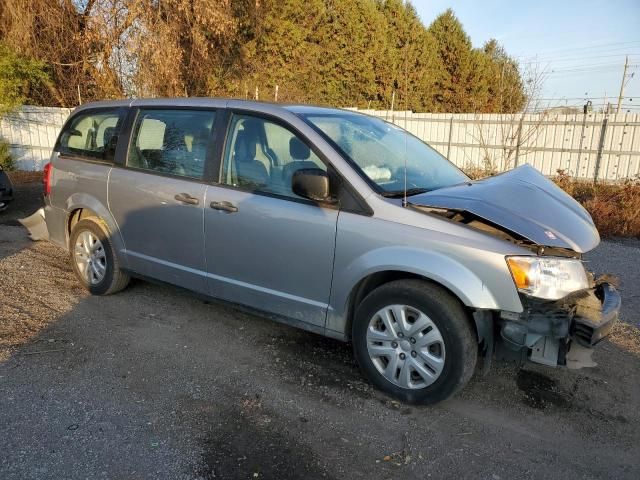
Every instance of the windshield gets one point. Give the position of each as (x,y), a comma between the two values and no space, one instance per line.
(379,150)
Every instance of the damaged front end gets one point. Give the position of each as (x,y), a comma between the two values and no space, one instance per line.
(560,332)
(565,311)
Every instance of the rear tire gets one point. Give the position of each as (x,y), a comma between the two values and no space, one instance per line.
(414,341)
(93,258)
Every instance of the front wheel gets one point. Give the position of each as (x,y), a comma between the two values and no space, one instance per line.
(94,260)
(413,340)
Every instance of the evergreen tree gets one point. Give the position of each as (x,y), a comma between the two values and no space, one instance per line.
(456,87)
(337,52)
(506,91)
(19,75)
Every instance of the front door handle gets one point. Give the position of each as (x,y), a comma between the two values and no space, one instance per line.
(224,206)
(186,198)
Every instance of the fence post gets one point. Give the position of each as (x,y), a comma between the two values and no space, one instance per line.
(603,132)
(584,124)
(450,133)
(518,140)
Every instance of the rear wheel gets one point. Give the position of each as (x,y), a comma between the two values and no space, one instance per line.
(414,341)
(94,260)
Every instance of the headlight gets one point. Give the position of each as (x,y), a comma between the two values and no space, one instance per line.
(550,278)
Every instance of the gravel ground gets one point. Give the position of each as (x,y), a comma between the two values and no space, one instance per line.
(155,383)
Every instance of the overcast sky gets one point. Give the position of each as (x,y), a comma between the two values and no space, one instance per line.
(581,44)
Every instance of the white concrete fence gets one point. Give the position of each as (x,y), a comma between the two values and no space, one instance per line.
(591,146)
(32,133)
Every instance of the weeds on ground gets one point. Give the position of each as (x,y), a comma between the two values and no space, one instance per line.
(614,207)
(6,159)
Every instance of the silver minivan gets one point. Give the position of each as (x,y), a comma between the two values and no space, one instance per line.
(335,222)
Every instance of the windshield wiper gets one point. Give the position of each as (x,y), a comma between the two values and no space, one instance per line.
(401,193)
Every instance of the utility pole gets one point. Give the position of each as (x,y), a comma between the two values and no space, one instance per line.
(624,78)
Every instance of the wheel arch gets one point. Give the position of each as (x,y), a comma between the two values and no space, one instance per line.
(434,267)
(80,206)
(375,280)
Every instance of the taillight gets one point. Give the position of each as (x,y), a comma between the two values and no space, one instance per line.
(46,179)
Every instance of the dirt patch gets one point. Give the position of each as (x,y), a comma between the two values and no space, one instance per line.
(541,391)
(243,442)
(27,308)
(626,337)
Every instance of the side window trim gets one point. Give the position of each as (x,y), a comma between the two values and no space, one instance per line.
(213,167)
(121,111)
(210,161)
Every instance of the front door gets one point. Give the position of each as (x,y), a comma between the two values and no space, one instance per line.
(265,246)
(157,198)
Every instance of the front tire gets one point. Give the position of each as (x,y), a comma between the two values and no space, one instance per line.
(413,340)
(93,258)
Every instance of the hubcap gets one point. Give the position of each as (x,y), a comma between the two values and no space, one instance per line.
(405,346)
(90,257)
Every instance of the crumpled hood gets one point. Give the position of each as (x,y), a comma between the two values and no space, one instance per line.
(525,202)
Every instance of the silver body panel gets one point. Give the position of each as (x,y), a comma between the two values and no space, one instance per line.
(267,235)
(162,236)
(293,260)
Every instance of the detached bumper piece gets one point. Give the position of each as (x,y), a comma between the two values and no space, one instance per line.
(36,225)
(562,332)
(596,315)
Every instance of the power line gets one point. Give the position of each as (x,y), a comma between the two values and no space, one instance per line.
(542,60)
(586,97)
(614,66)
(586,47)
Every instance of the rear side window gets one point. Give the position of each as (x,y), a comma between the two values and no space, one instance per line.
(92,135)
(171,141)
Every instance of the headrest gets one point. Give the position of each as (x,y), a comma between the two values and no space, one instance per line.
(107,135)
(298,149)
(245,147)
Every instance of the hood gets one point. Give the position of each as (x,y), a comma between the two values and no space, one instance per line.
(524,202)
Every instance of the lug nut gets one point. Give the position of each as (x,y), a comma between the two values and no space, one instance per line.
(413,340)
(394,344)
(402,356)
(400,335)
(413,353)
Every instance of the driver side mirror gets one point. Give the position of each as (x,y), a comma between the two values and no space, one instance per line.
(311,183)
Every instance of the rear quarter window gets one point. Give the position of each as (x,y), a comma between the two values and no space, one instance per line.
(92,135)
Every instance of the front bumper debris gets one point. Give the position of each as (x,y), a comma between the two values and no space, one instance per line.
(549,330)
(596,315)
(36,225)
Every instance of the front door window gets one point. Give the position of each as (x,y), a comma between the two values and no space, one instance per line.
(262,156)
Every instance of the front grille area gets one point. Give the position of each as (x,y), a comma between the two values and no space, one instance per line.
(583,334)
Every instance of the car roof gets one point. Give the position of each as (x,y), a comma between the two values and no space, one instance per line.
(211,102)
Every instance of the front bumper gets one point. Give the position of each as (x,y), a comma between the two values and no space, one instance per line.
(547,330)
(596,315)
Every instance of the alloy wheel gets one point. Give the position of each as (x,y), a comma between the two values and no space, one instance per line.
(90,257)
(405,346)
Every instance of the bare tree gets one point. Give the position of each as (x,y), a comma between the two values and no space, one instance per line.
(505,147)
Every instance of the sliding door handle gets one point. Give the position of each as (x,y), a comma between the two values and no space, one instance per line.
(186,198)
(224,206)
